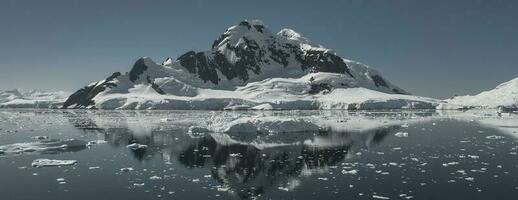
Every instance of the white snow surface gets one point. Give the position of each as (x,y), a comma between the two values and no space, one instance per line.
(32,99)
(505,94)
(268,94)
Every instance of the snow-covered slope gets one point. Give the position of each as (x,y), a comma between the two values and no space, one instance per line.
(32,99)
(249,66)
(503,96)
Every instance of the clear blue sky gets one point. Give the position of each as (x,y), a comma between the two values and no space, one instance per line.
(430,48)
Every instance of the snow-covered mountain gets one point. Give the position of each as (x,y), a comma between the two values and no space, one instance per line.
(32,99)
(249,67)
(504,96)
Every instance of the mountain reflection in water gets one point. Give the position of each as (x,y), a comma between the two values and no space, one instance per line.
(247,164)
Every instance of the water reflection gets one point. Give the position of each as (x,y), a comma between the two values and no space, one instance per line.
(246,164)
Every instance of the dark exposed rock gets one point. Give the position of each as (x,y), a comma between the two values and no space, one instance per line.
(259,28)
(245,23)
(250,59)
(138,68)
(378,81)
(155,86)
(83,97)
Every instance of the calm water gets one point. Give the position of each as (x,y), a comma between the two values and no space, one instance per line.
(398,155)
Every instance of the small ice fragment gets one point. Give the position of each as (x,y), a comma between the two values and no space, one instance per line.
(52,163)
(469,178)
(322,178)
(352,172)
(196,180)
(96,167)
(138,184)
(494,137)
(40,137)
(136,146)
(379,197)
(155,178)
(401,134)
(166,119)
(404,126)
(222,189)
(60,179)
(450,164)
(95,142)
(127,169)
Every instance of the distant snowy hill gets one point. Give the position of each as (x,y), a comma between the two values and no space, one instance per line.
(249,67)
(32,99)
(503,96)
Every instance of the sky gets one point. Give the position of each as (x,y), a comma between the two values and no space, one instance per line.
(430,48)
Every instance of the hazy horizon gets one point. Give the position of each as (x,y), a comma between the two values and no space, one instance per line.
(435,49)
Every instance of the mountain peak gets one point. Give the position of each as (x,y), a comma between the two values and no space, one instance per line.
(248,29)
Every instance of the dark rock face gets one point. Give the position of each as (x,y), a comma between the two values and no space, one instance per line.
(251,56)
(155,86)
(250,59)
(138,68)
(378,81)
(83,97)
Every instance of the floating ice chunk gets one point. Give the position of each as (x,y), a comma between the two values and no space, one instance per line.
(96,142)
(469,178)
(494,137)
(352,172)
(235,155)
(43,147)
(155,178)
(52,163)
(127,169)
(197,132)
(96,167)
(166,119)
(39,137)
(401,134)
(139,184)
(379,197)
(136,146)
(450,164)
(60,179)
(222,188)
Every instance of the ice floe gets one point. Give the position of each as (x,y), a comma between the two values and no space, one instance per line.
(43,147)
(52,163)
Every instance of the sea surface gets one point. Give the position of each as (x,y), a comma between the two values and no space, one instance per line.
(258,155)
